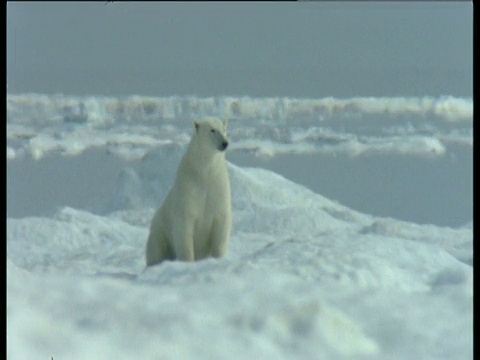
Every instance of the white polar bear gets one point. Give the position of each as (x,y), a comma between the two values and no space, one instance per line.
(195,219)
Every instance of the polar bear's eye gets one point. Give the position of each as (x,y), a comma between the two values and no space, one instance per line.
(213,130)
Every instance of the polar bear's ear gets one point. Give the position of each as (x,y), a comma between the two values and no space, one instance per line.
(197,125)
(225,124)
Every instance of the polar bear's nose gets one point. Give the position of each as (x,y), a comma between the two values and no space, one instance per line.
(224,145)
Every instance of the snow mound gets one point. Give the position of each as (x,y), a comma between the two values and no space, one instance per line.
(304,278)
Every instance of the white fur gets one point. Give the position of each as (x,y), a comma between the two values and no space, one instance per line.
(195,219)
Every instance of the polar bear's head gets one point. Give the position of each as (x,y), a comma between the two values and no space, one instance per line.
(213,133)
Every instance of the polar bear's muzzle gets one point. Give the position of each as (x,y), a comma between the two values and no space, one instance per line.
(223,146)
(219,140)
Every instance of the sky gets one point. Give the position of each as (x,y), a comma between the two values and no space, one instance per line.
(309,49)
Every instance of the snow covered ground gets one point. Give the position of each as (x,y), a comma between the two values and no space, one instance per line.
(305,277)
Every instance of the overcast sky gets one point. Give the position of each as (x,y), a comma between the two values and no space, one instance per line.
(259,49)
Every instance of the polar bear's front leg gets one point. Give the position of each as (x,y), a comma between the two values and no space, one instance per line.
(220,236)
(183,241)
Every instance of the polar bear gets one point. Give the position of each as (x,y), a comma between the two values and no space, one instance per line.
(194,221)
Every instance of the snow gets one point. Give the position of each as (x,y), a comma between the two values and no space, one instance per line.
(305,276)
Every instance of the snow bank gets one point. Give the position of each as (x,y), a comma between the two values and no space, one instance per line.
(305,278)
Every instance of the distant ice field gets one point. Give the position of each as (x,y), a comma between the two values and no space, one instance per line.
(38,124)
